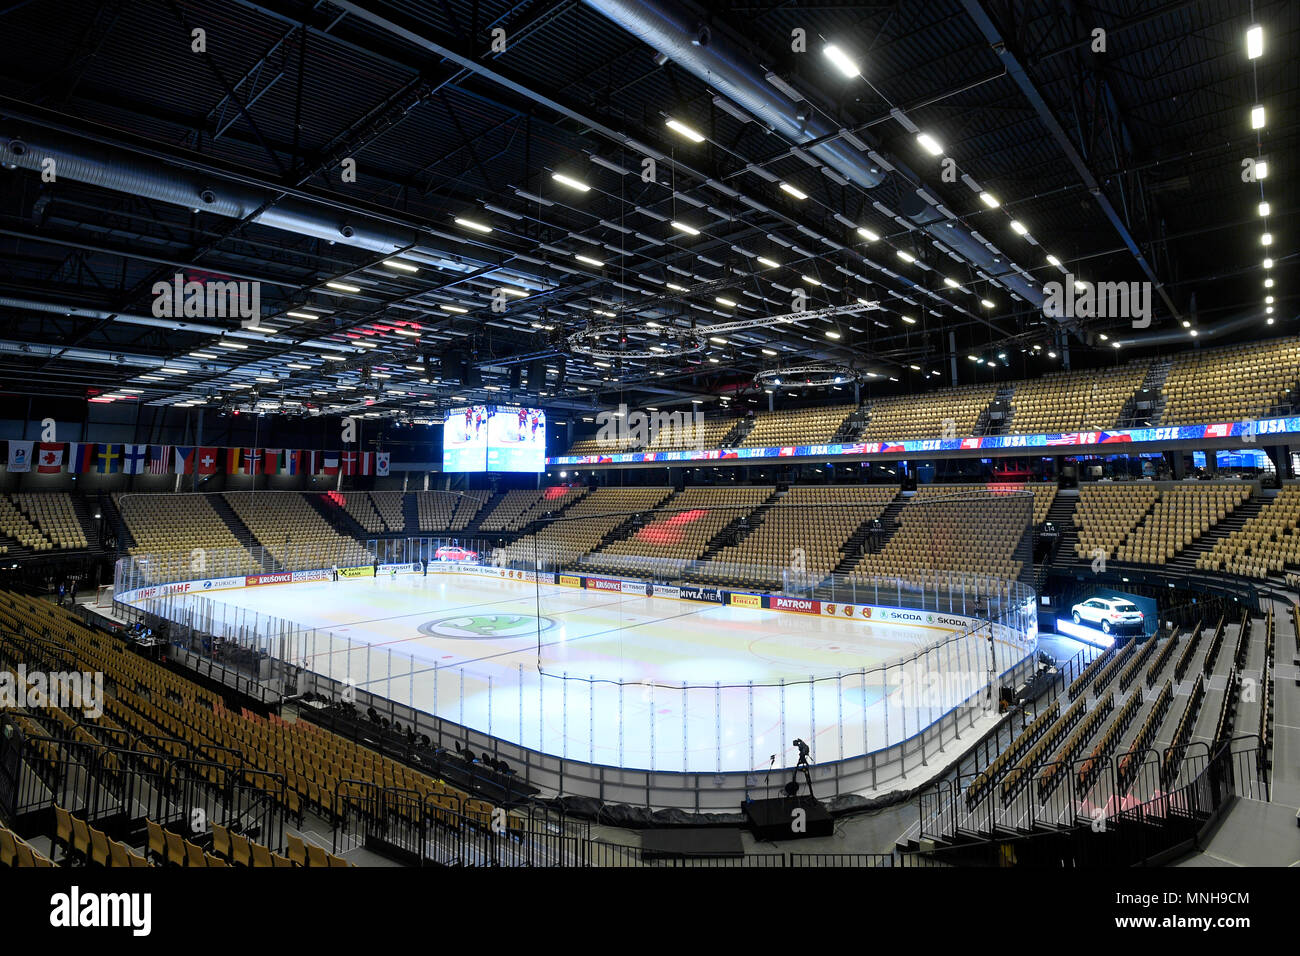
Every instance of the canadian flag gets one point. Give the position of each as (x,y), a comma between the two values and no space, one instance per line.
(49,457)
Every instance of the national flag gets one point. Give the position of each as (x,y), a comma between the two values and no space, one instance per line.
(365,463)
(348,463)
(206,461)
(233,458)
(20,456)
(1220,430)
(970,443)
(330,463)
(296,460)
(381,463)
(1111,438)
(49,457)
(81,457)
(134,458)
(160,459)
(252,461)
(1068,438)
(313,462)
(183,459)
(108,460)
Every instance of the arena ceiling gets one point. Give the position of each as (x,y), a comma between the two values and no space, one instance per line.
(415,190)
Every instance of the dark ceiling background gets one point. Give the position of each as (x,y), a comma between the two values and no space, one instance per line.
(1124,165)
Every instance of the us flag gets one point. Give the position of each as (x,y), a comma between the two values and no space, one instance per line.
(160,459)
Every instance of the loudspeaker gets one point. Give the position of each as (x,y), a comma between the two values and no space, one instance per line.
(537,375)
(453,367)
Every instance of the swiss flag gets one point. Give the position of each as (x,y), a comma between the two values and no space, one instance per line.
(49,457)
(205,462)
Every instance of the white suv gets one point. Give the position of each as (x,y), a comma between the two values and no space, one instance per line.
(1112,613)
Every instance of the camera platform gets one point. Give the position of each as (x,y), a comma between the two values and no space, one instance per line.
(775,818)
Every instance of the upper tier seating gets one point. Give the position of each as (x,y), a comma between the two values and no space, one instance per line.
(171,528)
(293,532)
(1235,382)
(1268,542)
(707,434)
(950,412)
(799,426)
(600,446)
(1073,401)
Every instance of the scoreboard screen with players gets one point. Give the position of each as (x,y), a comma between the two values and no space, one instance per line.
(494,438)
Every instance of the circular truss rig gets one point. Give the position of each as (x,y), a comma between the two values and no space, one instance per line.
(808,375)
(610,341)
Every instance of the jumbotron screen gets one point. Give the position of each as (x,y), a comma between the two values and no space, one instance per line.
(516,439)
(465,438)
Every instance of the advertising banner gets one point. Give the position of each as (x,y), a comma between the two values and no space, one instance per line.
(692,593)
(779,603)
(280,577)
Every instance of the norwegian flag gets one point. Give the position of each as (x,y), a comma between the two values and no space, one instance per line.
(252,461)
(49,457)
(160,459)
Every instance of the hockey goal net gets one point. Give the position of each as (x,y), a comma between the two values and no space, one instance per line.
(104,596)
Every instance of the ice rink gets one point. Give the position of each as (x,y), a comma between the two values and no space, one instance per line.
(599,677)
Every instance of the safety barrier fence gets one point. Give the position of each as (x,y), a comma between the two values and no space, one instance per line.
(118,787)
